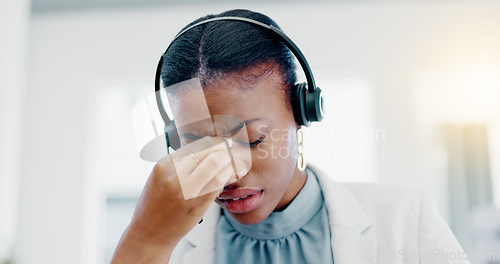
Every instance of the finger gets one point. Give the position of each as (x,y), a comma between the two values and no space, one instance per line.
(200,148)
(186,159)
(189,156)
(219,144)
(242,168)
(204,173)
(186,164)
(219,181)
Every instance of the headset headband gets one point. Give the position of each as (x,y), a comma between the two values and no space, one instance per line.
(311,85)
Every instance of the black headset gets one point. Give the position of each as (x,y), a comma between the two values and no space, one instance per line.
(307,99)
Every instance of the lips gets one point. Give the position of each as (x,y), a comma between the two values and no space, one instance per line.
(240,200)
(237,193)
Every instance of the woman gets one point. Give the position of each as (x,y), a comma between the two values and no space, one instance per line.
(277,212)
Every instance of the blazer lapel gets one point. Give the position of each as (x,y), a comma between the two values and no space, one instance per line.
(350,247)
(347,224)
(202,238)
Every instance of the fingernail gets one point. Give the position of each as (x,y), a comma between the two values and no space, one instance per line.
(242,173)
(229,141)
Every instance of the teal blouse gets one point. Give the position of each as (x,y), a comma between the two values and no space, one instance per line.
(298,234)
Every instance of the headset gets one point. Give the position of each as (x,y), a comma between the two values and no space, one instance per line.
(307,99)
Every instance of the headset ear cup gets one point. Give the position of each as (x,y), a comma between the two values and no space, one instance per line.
(298,104)
(314,105)
(172,137)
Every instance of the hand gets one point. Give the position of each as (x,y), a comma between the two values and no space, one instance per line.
(163,215)
(193,176)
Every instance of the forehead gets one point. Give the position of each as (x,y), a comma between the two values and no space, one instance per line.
(250,94)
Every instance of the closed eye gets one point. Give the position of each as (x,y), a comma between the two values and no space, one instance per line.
(252,144)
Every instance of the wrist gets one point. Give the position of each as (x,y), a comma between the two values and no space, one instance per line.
(136,247)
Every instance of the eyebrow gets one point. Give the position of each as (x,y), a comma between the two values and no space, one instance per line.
(234,129)
(244,123)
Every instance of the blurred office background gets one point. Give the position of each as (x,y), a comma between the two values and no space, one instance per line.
(412,91)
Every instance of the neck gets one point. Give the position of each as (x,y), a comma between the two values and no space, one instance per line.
(296,183)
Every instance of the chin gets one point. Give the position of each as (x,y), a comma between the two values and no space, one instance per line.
(251,217)
(248,218)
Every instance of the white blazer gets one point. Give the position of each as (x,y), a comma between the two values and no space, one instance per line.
(369,223)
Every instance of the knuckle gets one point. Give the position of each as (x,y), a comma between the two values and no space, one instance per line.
(221,156)
(219,180)
(212,160)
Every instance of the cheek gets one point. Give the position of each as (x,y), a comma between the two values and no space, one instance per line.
(275,157)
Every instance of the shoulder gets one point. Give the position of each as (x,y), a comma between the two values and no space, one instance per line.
(384,204)
(403,220)
(391,209)
(378,202)
(397,206)
(383,198)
